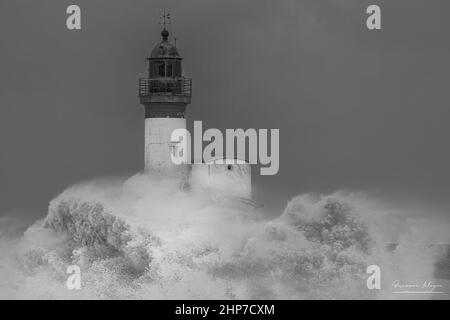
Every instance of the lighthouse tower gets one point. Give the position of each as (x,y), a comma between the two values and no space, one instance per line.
(165,94)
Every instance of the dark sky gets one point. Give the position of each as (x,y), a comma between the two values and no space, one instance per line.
(357,109)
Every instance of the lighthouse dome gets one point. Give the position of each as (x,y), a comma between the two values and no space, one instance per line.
(165,49)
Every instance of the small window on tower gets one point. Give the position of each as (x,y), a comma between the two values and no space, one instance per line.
(154,67)
(161,70)
(177,72)
(169,69)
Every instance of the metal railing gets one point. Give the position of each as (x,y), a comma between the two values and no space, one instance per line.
(177,86)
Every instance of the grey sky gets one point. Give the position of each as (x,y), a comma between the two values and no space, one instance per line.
(357,109)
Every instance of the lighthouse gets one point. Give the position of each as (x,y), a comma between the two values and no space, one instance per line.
(165,94)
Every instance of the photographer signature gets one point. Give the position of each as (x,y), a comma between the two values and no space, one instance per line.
(424,287)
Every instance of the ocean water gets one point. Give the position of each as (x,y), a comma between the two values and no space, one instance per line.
(144,239)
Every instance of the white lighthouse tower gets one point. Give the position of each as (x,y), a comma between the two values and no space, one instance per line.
(165,94)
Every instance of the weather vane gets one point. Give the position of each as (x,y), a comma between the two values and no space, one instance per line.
(165,17)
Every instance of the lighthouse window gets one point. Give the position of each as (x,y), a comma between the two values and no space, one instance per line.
(177,72)
(165,69)
(157,69)
(161,69)
(169,69)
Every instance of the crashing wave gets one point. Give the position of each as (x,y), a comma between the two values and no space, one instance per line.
(144,240)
